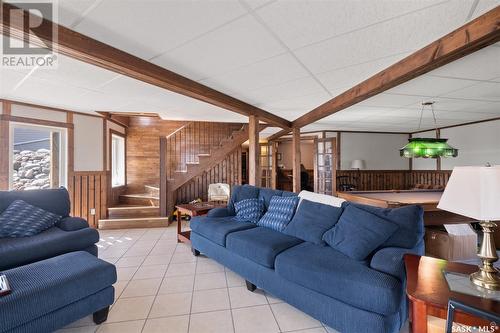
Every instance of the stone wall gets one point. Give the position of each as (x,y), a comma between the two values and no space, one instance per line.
(31,169)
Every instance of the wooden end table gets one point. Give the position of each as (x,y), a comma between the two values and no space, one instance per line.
(428,292)
(197,209)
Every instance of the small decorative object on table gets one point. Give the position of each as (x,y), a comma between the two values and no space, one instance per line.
(475,192)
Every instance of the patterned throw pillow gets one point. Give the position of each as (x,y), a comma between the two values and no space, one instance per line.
(21,219)
(249,210)
(279,213)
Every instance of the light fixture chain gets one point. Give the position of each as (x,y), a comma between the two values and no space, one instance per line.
(434,116)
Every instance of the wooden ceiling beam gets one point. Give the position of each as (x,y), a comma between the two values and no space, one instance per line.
(475,35)
(77,46)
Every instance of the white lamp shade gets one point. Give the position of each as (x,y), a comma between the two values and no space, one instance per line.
(473,192)
(358,164)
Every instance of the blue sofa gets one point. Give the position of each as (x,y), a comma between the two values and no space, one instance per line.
(70,233)
(346,294)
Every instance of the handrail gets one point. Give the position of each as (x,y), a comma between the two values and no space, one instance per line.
(179,129)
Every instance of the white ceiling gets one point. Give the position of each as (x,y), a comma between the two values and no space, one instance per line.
(286,57)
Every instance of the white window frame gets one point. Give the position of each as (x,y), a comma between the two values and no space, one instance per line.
(63,154)
(118,163)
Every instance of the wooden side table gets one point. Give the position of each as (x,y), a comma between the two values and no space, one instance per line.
(428,292)
(197,209)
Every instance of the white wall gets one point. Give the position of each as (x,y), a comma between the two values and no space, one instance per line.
(88,144)
(425,163)
(306,154)
(477,144)
(379,151)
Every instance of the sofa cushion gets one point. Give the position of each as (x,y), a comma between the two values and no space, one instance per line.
(266,194)
(72,223)
(241,192)
(409,219)
(53,200)
(44,287)
(331,273)
(249,210)
(358,233)
(21,219)
(49,243)
(279,213)
(217,228)
(321,198)
(312,220)
(260,245)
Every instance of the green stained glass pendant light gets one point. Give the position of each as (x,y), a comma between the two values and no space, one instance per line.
(428,147)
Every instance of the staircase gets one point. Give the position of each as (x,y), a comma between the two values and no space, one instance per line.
(136,211)
(192,150)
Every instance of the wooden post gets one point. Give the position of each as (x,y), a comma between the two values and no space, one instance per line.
(296,158)
(253,151)
(4,147)
(54,159)
(163,177)
(338,151)
(274,168)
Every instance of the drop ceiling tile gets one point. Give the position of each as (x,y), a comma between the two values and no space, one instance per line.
(75,73)
(427,85)
(456,104)
(284,91)
(464,116)
(257,3)
(9,79)
(300,23)
(485,91)
(238,44)
(149,28)
(389,38)
(480,65)
(305,103)
(390,100)
(269,72)
(98,101)
(352,75)
(132,88)
(70,11)
(483,6)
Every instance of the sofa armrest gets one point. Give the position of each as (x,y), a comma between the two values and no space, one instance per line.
(219,212)
(390,260)
(72,223)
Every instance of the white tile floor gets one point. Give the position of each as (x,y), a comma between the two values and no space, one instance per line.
(163,288)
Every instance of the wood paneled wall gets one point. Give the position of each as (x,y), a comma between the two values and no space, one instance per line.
(371,180)
(88,190)
(143,150)
(228,171)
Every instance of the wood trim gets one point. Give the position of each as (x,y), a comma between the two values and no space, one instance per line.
(75,45)
(71,144)
(302,138)
(4,147)
(105,144)
(338,142)
(471,37)
(253,151)
(278,135)
(296,159)
(41,122)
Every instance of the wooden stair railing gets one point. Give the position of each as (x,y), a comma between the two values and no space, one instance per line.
(192,149)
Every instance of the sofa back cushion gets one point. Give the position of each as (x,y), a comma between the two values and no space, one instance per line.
(249,210)
(409,219)
(241,192)
(279,213)
(53,200)
(358,233)
(21,219)
(312,220)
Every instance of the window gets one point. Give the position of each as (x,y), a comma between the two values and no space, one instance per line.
(117,160)
(38,157)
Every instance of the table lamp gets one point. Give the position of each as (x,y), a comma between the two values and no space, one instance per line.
(358,164)
(475,192)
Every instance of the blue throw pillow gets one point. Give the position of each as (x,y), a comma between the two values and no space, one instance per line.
(279,213)
(21,219)
(312,220)
(249,210)
(358,233)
